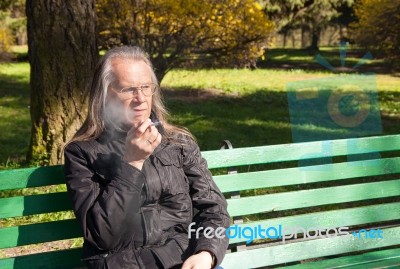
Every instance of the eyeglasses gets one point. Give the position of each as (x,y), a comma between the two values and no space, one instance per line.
(132,91)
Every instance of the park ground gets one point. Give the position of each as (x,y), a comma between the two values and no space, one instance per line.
(248,107)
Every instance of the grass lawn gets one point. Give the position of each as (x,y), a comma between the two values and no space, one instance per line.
(248,107)
(14,113)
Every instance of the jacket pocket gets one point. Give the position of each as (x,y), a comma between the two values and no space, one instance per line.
(96,262)
(170,157)
(152,224)
(170,254)
(171,172)
(125,259)
(122,259)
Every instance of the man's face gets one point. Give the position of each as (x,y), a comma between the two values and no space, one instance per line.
(135,108)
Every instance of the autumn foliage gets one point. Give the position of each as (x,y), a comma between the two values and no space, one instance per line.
(378,27)
(231,33)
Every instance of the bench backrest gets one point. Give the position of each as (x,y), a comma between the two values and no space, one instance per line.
(349,182)
(341,183)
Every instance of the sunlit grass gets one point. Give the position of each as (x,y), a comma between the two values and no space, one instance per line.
(22,49)
(241,81)
(244,81)
(14,113)
(250,106)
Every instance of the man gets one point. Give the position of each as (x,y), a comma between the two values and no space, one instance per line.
(136,185)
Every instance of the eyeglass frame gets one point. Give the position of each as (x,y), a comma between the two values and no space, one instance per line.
(137,88)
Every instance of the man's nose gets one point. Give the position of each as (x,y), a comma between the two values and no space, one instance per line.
(140,96)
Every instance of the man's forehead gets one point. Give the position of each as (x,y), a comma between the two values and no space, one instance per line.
(126,66)
(130,72)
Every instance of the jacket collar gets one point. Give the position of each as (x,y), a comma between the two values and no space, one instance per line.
(112,134)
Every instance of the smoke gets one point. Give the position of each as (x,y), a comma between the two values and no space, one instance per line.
(116,116)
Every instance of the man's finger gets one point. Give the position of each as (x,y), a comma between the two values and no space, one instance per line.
(141,129)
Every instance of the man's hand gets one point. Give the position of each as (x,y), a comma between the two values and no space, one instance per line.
(201,260)
(140,143)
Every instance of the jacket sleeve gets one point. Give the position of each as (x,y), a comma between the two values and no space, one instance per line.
(210,206)
(109,215)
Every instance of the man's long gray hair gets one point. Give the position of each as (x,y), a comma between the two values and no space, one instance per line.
(95,122)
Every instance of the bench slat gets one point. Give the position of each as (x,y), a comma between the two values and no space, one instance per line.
(34,204)
(291,252)
(300,151)
(43,176)
(66,229)
(303,175)
(53,175)
(333,218)
(64,259)
(315,197)
(31,177)
(39,233)
(370,260)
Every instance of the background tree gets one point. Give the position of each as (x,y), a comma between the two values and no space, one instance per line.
(284,14)
(232,33)
(378,28)
(12,26)
(6,38)
(62,54)
(18,21)
(309,15)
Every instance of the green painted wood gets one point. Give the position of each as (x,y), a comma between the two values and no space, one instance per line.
(34,204)
(314,197)
(52,175)
(64,259)
(370,260)
(303,175)
(301,250)
(31,177)
(300,151)
(39,233)
(334,218)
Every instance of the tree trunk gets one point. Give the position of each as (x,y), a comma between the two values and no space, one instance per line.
(315,39)
(284,39)
(303,38)
(293,40)
(161,67)
(62,54)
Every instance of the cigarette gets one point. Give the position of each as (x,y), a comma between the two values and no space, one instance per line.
(155,123)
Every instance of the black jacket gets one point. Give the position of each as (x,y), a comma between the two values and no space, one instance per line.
(122,209)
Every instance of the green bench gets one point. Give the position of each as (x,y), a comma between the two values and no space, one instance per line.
(355,184)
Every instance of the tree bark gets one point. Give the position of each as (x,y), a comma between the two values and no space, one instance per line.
(62,54)
(303,37)
(315,39)
(284,39)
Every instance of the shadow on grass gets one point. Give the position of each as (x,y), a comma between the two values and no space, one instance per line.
(256,119)
(14,119)
(288,59)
